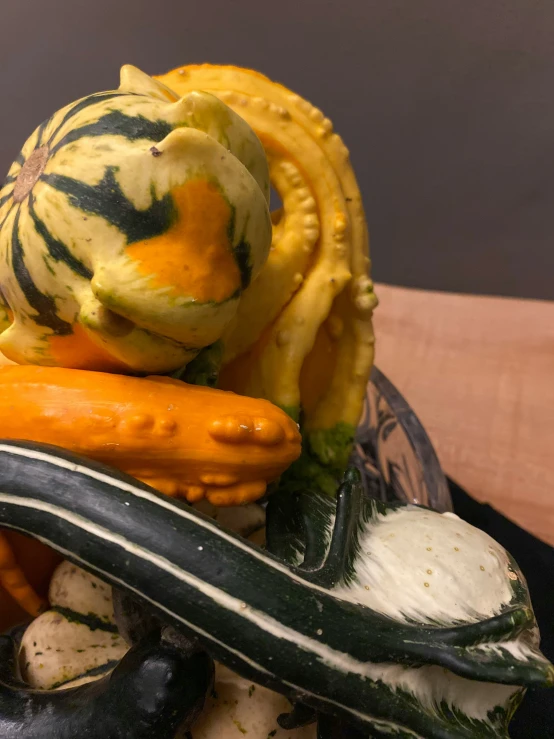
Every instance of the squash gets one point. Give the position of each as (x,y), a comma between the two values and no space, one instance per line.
(238,705)
(319,620)
(26,567)
(83,611)
(157,690)
(130,225)
(302,336)
(182,439)
(76,640)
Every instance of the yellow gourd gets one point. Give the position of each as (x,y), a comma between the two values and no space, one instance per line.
(302,336)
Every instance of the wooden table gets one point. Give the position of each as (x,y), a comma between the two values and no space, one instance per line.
(479,372)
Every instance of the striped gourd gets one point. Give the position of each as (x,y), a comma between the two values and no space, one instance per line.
(157,690)
(77,639)
(131,222)
(302,336)
(323,624)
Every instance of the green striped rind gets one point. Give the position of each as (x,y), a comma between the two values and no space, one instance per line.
(57,250)
(107,200)
(272,623)
(113,162)
(90,620)
(43,305)
(52,131)
(296,533)
(132,128)
(95,672)
(156,690)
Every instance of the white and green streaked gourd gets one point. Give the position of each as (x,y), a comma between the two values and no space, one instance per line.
(131,222)
(395,620)
(76,640)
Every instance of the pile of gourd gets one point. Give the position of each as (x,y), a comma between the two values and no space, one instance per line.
(166,336)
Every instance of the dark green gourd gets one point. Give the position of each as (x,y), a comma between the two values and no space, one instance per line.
(157,690)
(310,622)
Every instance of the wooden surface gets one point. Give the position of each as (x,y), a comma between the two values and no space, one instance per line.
(479,373)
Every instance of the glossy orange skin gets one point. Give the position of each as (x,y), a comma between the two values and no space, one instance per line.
(37,563)
(181,439)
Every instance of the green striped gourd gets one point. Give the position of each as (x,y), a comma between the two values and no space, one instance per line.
(157,690)
(76,640)
(324,622)
(131,222)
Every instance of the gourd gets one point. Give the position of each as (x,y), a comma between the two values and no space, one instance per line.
(238,705)
(26,567)
(320,620)
(77,639)
(83,610)
(182,439)
(234,703)
(157,690)
(131,222)
(302,336)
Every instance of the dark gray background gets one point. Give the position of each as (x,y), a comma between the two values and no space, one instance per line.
(447,108)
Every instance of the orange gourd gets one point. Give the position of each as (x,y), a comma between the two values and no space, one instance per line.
(26,567)
(181,439)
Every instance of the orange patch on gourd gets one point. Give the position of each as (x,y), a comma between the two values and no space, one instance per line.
(194,257)
(78,351)
(38,563)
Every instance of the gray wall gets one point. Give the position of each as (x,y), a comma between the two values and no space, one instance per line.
(447,108)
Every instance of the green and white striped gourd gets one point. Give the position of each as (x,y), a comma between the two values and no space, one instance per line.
(324,623)
(156,690)
(75,641)
(130,224)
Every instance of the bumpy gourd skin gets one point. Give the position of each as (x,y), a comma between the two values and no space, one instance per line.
(182,439)
(131,222)
(302,336)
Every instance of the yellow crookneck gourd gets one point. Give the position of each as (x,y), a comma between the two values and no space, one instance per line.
(131,223)
(302,336)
